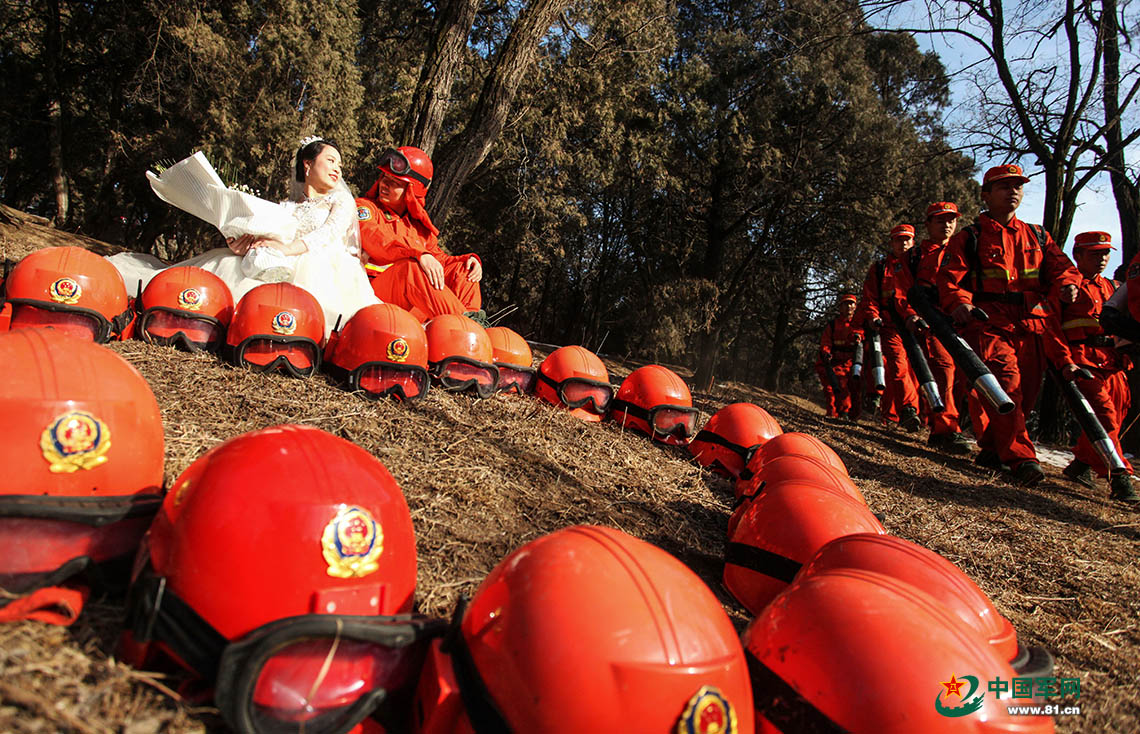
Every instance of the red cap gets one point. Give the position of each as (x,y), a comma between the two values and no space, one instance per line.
(902,230)
(1093,241)
(941,207)
(1008,171)
(848,297)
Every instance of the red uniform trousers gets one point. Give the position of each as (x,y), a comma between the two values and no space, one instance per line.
(405,284)
(845,400)
(1016,356)
(1110,398)
(944,371)
(902,385)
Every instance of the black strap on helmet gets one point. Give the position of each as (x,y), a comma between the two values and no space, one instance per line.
(762,561)
(783,705)
(95,511)
(482,711)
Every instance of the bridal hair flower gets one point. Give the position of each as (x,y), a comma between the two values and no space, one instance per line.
(310,139)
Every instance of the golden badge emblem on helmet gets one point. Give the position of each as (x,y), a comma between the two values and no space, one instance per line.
(66,290)
(284,322)
(190,299)
(398,350)
(351,543)
(708,712)
(75,441)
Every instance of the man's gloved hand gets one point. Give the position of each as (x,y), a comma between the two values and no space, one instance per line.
(917,325)
(1073,372)
(825,356)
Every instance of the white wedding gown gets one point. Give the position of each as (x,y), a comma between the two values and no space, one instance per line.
(330,269)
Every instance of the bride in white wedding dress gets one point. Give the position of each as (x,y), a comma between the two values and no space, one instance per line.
(324,258)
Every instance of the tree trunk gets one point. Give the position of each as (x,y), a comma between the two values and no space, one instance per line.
(1125,191)
(771,379)
(467,150)
(433,92)
(52,53)
(705,374)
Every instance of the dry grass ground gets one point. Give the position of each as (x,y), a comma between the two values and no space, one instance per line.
(483,477)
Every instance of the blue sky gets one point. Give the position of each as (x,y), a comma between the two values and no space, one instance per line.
(963,59)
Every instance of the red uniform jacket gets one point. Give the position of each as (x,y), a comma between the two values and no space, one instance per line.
(1087,341)
(879,293)
(920,266)
(840,336)
(387,237)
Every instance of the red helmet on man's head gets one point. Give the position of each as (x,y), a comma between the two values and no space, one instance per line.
(277,326)
(460,355)
(69,289)
(656,401)
(409,164)
(915,667)
(575,378)
(82,458)
(185,306)
(732,436)
(382,351)
(272,569)
(588,630)
(514,359)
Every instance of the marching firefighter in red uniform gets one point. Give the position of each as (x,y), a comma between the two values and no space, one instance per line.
(836,354)
(1006,269)
(407,266)
(900,399)
(920,268)
(1108,390)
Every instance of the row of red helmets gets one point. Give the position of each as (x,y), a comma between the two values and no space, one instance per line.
(855,629)
(585,629)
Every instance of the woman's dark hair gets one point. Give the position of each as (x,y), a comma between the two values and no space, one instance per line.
(308,154)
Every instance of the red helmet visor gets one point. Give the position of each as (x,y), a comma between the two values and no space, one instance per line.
(674,420)
(457,374)
(298,356)
(397,164)
(577,392)
(380,379)
(170,327)
(519,380)
(81,324)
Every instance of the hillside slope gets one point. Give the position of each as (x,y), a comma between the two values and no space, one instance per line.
(483,477)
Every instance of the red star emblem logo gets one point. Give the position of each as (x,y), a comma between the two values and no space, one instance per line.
(953,686)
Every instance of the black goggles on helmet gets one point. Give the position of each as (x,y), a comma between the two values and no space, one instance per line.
(678,421)
(298,356)
(456,374)
(744,452)
(397,163)
(577,392)
(75,320)
(483,713)
(308,674)
(407,383)
(517,379)
(185,329)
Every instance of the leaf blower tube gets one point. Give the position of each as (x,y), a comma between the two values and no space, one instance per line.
(875,360)
(918,363)
(980,377)
(857,360)
(1088,421)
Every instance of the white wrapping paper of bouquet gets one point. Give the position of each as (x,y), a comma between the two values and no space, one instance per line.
(194,186)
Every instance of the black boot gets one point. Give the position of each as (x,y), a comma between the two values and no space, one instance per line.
(1121,485)
(909,420)
(1081,473)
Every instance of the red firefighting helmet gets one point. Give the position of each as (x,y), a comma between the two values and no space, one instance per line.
(460,355)
(514,359)
(925,569)
(82,457)
(185,306)
(575,378)
(588,630)
(656,401)
(810,469)
(382,350)
(781,530)
(411,165)
(852,650)
(70,289)
(277,326)
(732,436)
(796,444)
(273,560)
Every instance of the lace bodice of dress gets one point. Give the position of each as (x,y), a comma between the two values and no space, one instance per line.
(325,222)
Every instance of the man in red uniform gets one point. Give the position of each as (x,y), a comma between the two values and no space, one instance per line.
(836,353)
(900,399)
(1007,268)
(921,267)
(1107,392)
(407,266)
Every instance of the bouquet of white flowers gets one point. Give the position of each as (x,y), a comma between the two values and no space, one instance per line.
(194,186)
